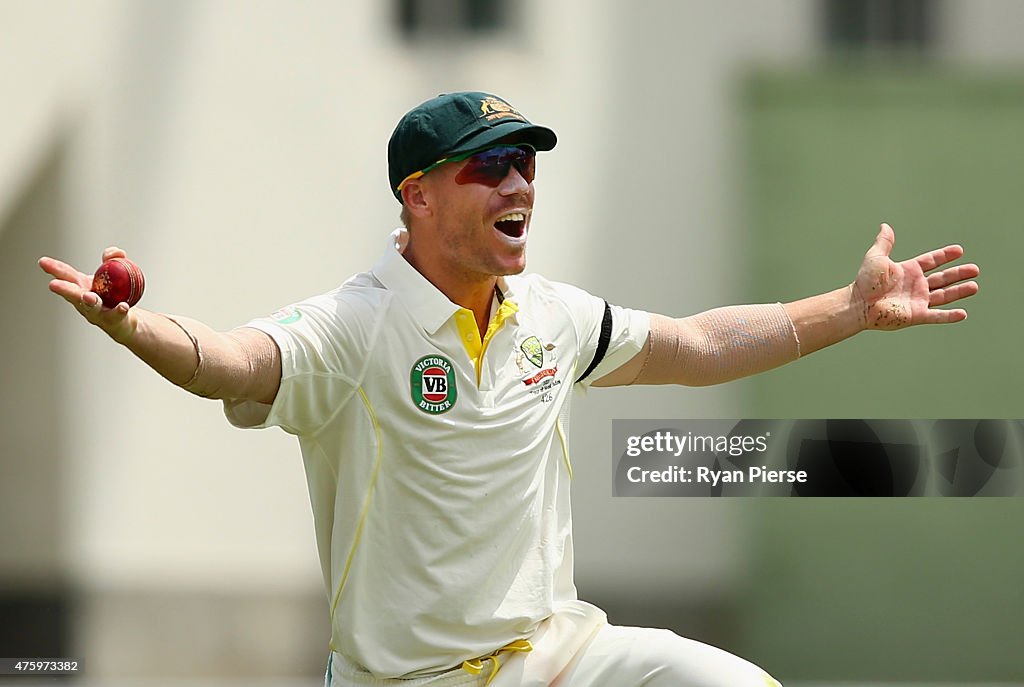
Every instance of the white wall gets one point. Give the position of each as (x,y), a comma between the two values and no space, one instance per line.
(982,33)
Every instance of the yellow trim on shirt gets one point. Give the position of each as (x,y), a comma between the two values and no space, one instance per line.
(366,503)
(469,334)
(565,446)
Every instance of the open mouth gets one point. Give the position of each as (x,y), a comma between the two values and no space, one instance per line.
(512,224)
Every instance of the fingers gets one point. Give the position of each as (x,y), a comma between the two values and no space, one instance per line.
(65,272)
(931,260)
(944,316)
(91,306)
(62,270)
(944,278)
(954,293)
(883,242)
(86,302)
(113,252)
(72,285)
(69,291)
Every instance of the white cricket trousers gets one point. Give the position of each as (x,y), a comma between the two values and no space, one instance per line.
(576,647)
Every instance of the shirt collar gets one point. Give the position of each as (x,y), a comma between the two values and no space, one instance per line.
(427,305)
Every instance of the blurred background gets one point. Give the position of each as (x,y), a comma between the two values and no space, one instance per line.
(709,153)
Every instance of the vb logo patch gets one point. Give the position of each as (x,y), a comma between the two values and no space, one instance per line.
(432,382)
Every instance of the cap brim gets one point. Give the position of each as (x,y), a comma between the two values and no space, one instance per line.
(540,137)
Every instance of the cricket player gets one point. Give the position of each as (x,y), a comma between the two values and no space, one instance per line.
(430,399)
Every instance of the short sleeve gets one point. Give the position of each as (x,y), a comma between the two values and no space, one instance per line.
(322,344)
(625,337)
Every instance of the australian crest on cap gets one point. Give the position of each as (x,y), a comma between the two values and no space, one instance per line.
(493,108)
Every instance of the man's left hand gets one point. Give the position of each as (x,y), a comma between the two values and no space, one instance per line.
(896,295)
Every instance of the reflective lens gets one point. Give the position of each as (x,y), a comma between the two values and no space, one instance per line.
(489,167)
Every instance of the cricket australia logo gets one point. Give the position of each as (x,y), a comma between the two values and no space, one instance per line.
(531,348)
(540,381)
(432,382)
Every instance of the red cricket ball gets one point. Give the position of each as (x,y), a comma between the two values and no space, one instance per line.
(118,280)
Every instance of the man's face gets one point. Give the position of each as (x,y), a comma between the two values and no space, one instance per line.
(481,231)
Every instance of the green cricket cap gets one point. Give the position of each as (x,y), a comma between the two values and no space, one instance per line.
(455,123)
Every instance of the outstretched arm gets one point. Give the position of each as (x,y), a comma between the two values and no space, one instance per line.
(243,363)
(728,343)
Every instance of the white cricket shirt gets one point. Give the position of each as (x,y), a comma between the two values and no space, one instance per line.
(437,463)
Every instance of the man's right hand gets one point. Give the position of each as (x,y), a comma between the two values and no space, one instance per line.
(76,288)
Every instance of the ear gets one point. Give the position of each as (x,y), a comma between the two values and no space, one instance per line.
(414,198)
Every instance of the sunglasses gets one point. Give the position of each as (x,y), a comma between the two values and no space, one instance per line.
(489,166)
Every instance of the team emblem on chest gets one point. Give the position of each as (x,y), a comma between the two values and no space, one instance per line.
(539,380)
(432,382)
(533,351)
